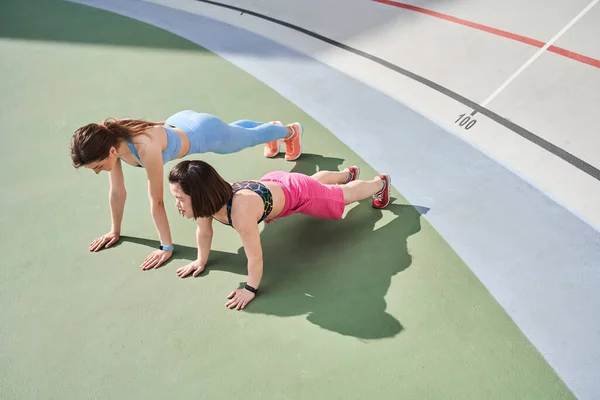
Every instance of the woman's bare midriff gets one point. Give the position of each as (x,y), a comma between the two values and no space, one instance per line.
(185,142)
(278,199)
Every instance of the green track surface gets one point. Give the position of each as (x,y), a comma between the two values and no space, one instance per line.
(374,306)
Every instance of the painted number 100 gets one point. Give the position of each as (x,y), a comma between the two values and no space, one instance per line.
(466,121)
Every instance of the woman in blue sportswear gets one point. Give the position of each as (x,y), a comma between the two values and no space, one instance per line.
(101,147)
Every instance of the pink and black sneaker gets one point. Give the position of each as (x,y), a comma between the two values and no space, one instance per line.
(382,198)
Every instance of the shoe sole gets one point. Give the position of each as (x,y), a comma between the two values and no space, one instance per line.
(278,142)
(388,187)
(278,151)
(301,132)
(357,173)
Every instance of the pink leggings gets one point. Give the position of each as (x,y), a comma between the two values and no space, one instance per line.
(306,195)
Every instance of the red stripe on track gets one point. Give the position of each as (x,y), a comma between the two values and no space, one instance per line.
(499,32)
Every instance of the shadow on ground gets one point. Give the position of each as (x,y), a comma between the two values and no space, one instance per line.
(336,272)
(65,21)
(62,21)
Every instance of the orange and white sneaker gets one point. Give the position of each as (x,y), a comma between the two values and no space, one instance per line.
(353,173)
(382,198)
(293,145)
(273,148)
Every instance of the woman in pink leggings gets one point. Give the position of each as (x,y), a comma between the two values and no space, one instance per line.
(202,194)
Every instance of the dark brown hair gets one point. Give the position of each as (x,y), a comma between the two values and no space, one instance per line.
(92,142)
(199,180)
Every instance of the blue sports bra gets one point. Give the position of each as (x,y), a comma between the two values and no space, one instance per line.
(259,189)
(168,154)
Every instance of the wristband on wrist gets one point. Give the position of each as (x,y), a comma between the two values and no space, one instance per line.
(168,248)
(250,289)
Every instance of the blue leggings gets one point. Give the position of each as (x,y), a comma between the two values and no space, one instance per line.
(208,133)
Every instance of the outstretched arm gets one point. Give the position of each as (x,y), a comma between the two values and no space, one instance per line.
(117,196)
(251,241)
(204,234)
(245,222)
(151,158)
(116,200)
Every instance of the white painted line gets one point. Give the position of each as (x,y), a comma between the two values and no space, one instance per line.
(539,53)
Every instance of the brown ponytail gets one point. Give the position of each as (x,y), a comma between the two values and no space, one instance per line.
(92,142)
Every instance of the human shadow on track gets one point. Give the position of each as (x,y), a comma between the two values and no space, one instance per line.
(335,272)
